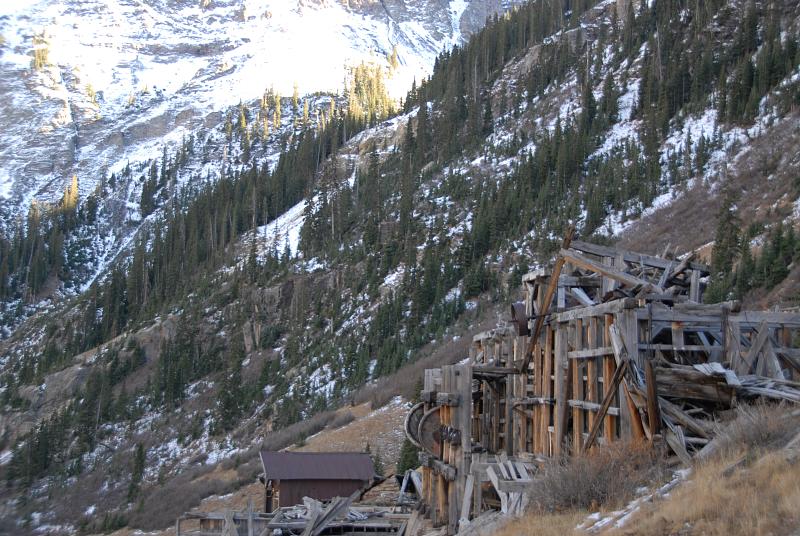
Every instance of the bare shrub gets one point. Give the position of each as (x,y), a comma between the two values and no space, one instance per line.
(294,433)
(341,419)
(758,427)
(607,476)
(161,505)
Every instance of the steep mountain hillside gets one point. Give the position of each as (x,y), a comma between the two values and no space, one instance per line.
(97,89)
(248,308)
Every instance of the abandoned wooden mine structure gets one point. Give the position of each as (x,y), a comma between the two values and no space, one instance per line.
(610,345)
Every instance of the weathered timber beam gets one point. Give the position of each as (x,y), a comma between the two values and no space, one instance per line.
(448,399)
(683,266)
(629,256)
(626,279)
(533,401)
(593,352)
(733,306)
(610,307)
(758,344)
(679,348)
(495,480)
(439,467)
(513,486)
(579,281)
(592,406)
(485,369)
(684,419)
(746,319)
(653,406)
(580,295)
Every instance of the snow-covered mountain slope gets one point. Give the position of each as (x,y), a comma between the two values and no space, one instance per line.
(121,78)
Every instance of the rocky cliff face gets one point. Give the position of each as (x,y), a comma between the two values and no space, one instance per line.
(120,79)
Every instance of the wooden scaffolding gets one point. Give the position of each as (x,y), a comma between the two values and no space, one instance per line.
(611,345)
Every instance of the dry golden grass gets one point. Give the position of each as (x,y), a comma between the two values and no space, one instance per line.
(543,525)
(763,499)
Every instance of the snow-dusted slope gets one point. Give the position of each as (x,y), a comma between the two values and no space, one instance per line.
(125,77)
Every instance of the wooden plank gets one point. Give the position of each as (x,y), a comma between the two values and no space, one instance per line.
(653,413)
(591,353)
(591,407)
(662,281)
(677,442)
(626,279)
(613,306)
(493,478)
(466,502)
(580,295)
(685,264)
(676,414)
(772,366)
(514,486)
(637,429)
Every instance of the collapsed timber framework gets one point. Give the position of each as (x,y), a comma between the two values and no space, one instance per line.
(610,345)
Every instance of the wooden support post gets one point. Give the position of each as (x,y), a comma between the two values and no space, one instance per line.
(609,421)
(538,391)
(441,500)
(591,369)
(547,447)
(577,389)
(653,413)
(561,395)
(509,415)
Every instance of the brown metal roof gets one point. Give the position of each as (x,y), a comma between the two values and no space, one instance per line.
(317,465)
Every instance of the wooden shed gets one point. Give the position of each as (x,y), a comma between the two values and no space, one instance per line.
(290,476)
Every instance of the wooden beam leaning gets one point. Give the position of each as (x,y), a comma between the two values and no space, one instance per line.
(548,297)
(653,414)
(615,381)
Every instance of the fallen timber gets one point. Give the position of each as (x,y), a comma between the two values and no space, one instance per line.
(311,519)
(612,345)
